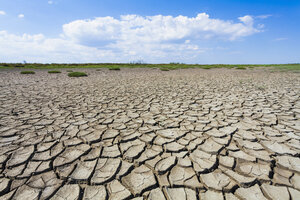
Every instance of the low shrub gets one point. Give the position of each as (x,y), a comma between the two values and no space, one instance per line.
(241,67)
(206,67)
(27,72)
(77,74)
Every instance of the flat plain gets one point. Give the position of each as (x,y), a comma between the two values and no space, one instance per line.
(150,134)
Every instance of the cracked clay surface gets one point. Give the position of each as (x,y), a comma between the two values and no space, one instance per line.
(148,134)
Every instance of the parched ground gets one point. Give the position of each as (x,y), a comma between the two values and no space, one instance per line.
(145,133)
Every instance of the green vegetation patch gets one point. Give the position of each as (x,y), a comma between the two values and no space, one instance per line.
(19,66)
(54,72)
(77,74)
(164,69)
(27,72)
(207,67)
(287,67)
(114,68)
(171,66)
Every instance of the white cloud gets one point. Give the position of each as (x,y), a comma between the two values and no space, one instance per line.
(38,48)
(21,16)
(248,20)
(50,2)
(106,39)
(156,28)
(263,16)
(2,12)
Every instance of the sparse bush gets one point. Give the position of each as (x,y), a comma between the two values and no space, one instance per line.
(114,68)
(206,67)
(54,72)
(69,70)
(241,67)
(77,74)
(27,72)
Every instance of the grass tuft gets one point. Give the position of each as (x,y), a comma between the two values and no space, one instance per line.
(206,67)
(164,69)
(241,67)
(77,74)
(54,72)
(27,72)
(69,70)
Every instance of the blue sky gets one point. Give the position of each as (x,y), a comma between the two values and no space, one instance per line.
(156,31)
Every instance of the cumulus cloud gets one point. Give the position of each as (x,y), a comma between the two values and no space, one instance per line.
(2,12)
(157,28)
(38,48)
(132,37)
(248,20)
(21,16)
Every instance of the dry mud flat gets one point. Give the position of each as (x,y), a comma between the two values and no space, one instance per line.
(144,133)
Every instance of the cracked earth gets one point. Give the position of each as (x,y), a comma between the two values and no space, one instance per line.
(148,134)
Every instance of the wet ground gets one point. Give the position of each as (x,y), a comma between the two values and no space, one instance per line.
(145,133)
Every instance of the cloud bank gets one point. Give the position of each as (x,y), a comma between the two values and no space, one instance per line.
(131,37)
(157,28)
